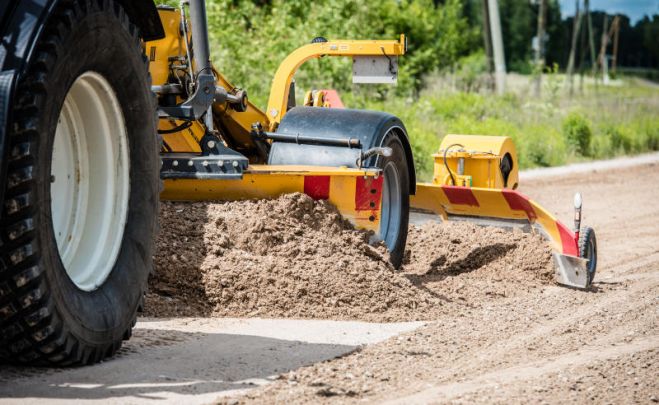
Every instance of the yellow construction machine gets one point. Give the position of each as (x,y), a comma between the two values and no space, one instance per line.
(475,177)
(100,101)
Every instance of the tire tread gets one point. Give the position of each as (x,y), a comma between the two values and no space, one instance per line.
(31,331)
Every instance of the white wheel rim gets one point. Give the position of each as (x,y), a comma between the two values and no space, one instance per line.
(90,181)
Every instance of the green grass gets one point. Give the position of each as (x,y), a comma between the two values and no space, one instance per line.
(552,131)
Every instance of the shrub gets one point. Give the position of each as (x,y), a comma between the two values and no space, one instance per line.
(577,133)
(621,141)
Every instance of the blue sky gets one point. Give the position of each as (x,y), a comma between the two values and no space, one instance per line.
(635,9)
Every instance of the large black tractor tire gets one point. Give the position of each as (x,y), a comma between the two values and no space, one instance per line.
(395,212)
(53,310)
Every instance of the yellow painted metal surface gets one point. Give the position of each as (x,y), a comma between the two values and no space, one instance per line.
(172,44)
(263,181)
(186,140)
(431,197)
(482,156)
(237,124)
(278,100)
(480,190)
(491,203)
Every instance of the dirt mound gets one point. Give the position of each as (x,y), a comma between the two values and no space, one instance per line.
(291,257)
(462,261)
(296,257)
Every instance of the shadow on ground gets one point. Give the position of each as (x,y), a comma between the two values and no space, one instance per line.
(158,364)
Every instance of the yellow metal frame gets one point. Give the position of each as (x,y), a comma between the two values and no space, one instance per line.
(270,181)
(239,123)
(345,186)
(481,191)
(492,203)
(278,101)
(482,156)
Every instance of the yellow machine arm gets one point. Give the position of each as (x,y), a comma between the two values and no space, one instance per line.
(281,83)
(475,178)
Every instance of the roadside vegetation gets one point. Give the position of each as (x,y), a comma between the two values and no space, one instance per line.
(443,82)
(599,123)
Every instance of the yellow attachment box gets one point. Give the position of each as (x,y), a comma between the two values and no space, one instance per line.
(475,161)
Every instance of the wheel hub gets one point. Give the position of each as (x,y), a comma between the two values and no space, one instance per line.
(89,181)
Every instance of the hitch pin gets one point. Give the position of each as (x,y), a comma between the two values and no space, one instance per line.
(577,215)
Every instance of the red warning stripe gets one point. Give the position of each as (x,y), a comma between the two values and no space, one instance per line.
(568,241)
(317,187)
(368,193)
(519,202)
(460,195)
(333,99)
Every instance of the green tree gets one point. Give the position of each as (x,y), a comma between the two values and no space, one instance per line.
(250,38)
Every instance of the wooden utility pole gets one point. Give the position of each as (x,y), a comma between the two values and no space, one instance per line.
(540,50)
(497,46)
(601,58)
(616,32)
(606,39)
(591,39)
(573,49)
(487,37)
(583,45)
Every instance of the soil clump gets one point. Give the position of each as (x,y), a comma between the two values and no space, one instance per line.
(298,258)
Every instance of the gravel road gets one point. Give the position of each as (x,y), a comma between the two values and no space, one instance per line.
(520,341)
(554,345)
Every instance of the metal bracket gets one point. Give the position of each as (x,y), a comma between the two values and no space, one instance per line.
(375,69)
(194,107)
(226,164)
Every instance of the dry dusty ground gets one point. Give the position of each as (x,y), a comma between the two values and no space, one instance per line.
(497,329)
(550,345)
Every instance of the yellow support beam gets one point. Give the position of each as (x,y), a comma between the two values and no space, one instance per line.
(490,203)
(355,193)
(281,83)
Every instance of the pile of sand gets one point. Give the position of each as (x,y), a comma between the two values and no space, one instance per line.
(466,262)
(296,257)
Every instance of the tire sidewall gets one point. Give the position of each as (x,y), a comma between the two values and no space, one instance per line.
(100,43)
(392,140)
(587,240)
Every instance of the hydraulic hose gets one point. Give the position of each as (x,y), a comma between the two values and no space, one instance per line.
(446,164)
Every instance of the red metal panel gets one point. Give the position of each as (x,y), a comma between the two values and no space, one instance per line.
(317,187)
(332,98)
(568,241)
(460,195)
(519,202)
(368,193)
